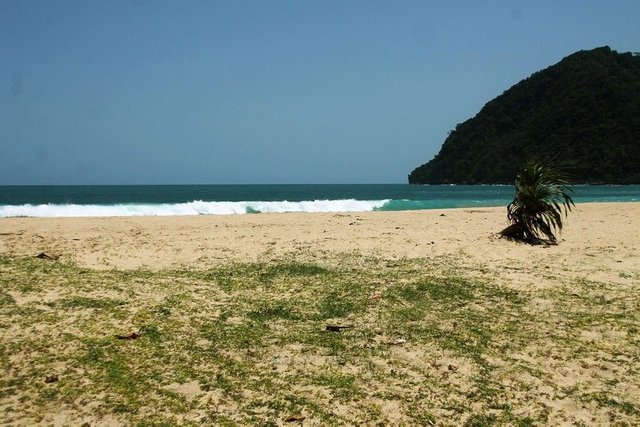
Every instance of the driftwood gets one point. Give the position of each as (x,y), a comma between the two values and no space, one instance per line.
(44,255)
(337,328)
(129,336)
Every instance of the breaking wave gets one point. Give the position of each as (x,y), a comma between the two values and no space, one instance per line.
(191,208)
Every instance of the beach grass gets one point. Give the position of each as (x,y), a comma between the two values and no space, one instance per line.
(425,342)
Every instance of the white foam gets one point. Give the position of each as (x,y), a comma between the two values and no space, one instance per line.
(191,208)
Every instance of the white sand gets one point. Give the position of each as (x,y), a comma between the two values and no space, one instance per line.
(600,240)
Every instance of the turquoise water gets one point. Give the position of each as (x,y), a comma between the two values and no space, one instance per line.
(51,201)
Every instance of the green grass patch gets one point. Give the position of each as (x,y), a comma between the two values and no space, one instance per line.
(247,344)
(87,302)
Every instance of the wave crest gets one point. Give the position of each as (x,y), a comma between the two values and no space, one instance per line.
(196,207)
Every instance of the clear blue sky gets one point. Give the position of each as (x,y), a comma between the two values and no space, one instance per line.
(161,92)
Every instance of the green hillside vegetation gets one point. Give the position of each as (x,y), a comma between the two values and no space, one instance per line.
(583,112)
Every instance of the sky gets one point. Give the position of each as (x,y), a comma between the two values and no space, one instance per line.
(266,92)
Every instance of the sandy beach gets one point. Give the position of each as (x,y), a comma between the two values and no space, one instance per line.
(600,240)
(222,319)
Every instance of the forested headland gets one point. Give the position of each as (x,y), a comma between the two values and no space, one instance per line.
(583,113)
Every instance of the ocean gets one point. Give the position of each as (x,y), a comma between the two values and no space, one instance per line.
(162,200)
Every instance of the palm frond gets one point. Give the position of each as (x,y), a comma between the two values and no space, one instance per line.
(542,197)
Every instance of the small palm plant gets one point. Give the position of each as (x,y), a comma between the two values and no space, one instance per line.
(542,194)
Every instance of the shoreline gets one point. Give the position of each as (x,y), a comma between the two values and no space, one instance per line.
(354,212)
